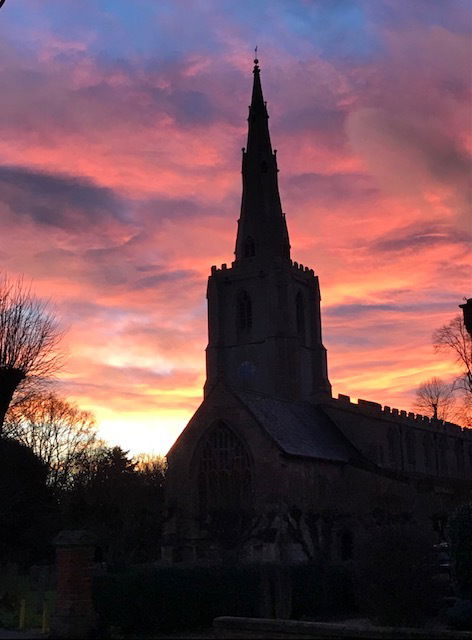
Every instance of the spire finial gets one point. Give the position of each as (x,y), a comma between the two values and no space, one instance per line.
(256,61)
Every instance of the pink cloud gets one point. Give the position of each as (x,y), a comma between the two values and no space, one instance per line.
(121,183)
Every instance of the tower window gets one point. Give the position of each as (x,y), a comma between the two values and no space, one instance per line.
(264,166)
(249,248)
(244,311)
(224,474)
(300,312)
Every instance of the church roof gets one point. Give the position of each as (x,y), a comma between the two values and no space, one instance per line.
(300,428)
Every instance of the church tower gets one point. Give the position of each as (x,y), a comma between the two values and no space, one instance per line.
(264,320)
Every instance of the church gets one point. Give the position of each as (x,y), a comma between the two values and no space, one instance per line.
(271,467)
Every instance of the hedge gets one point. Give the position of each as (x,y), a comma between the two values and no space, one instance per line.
(190,597)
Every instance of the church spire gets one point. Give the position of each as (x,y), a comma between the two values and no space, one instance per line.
(262,230)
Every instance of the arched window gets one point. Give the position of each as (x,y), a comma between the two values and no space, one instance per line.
(249,248)
(410,448)
(394,447)
(442,445)
(244,311)
(300,312)
(346,545)
(224,474)
(460,460)
(427,448)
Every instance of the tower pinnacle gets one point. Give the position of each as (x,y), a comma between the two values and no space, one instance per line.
(262,230)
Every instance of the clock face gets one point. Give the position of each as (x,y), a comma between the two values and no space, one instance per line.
(246,371)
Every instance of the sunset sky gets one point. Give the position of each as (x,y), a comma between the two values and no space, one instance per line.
(121,127)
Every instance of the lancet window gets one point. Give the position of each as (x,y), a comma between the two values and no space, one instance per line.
(249,248)
(224,475)
(244,311)
(300,313)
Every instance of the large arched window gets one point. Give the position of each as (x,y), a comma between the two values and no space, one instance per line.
(224,473)
(244,311)
(300,313)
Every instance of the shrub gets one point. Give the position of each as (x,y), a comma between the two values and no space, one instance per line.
(322,591)
(459,615)
(460,532)
(179,598)
(394,576)
(174,598)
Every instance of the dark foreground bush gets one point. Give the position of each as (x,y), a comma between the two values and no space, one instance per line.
(180,598)
(322,591)
(459,615)
(394,576)
(173,598)
(460,531)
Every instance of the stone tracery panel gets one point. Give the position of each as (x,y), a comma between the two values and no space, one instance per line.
(224,474)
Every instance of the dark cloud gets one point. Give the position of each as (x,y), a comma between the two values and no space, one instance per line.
(59,201)
(330,189)
(327,124)
(166,276)
(192,107)
(356,309)
(414,237)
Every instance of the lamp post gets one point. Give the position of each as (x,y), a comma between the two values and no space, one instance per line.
(467,311)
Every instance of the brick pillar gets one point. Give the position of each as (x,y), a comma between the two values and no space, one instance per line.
(74,615)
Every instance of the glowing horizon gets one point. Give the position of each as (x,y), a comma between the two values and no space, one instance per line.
(121,129)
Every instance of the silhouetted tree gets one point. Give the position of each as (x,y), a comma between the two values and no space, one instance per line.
(29,335)
(28,512)
(62,435)
(121,501)
(454,339)
(435,398)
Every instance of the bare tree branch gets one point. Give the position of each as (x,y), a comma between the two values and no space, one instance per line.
(60,433)
(435,398)
(29,335)
(453,338)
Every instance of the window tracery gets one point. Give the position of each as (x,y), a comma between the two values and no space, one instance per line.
(244,311)
(224,475)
